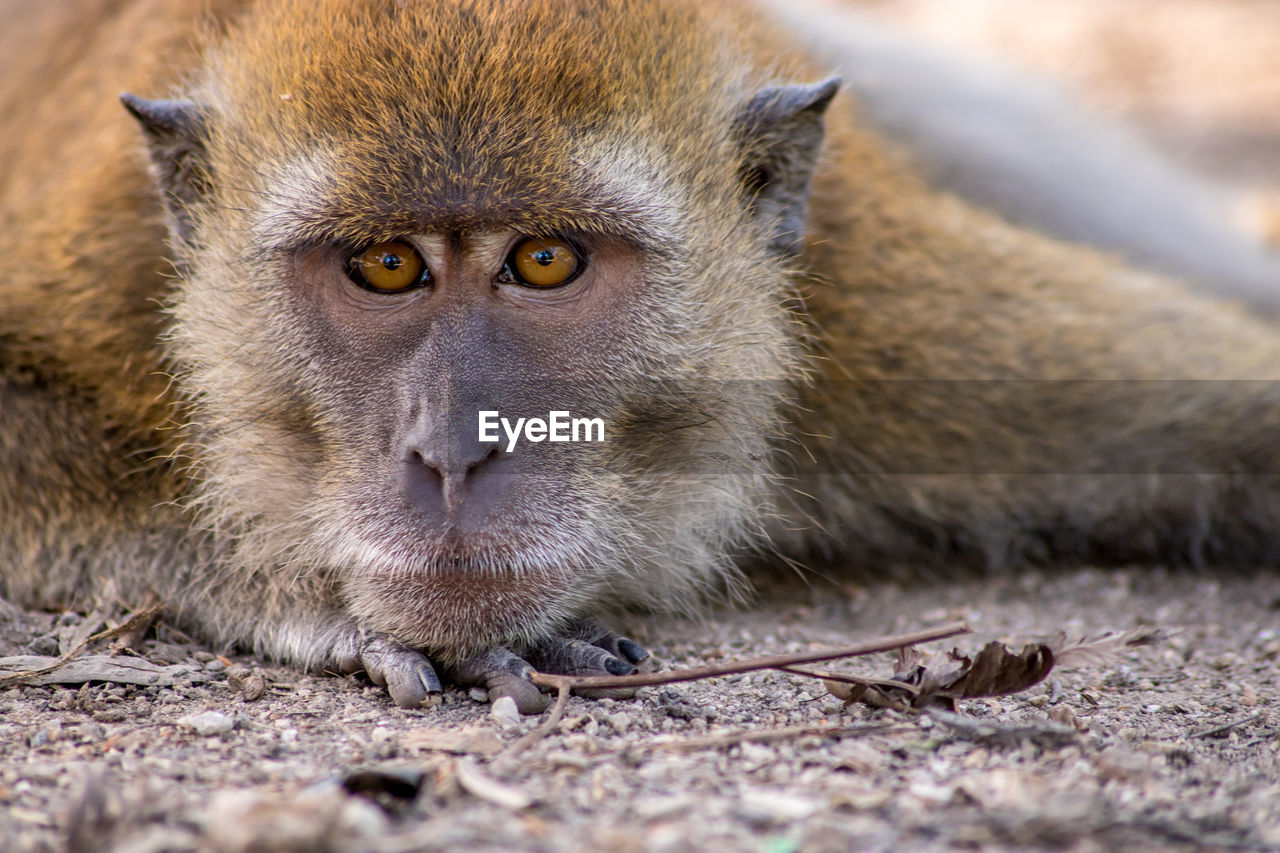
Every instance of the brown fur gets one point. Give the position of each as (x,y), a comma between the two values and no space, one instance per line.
(218,452)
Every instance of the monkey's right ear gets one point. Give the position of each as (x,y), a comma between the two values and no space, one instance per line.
(781,131)
(175,132)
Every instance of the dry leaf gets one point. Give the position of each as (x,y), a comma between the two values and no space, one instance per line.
(878,693)
(1106,647)
(996,671)
(388,787)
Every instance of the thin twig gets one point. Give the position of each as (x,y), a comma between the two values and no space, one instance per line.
(553,719)
(774,735)
(1226,727)
(139,617)
(1270,735)
(844,678)
(650,679)
(475,782)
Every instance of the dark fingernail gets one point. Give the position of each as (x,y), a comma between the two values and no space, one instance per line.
(633,650)
(618,667)
(430,681)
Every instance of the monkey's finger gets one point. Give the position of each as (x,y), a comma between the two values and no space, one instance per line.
(406,673)
(616,644)
(566,656)
(411,682)
(504,674)
(632,651)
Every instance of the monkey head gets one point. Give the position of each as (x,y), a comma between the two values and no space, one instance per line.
(388,217)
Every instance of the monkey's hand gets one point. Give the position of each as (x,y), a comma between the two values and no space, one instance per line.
(584,648)
(406,673)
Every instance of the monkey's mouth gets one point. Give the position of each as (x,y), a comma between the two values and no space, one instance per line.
(456,564)
(455,594)
(457,609)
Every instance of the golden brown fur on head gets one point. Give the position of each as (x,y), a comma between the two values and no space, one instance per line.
(506,113)
(496,102)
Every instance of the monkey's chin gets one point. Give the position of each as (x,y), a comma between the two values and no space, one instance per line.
(454,612)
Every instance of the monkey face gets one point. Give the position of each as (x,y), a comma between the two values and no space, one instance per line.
(429,511)
(377,251)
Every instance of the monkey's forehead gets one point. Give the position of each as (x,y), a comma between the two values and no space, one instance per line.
(474,100)
(585,56)
(317,198)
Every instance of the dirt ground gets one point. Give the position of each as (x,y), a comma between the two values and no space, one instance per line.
(1171,746)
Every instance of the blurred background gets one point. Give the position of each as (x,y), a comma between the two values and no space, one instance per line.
(1199,78)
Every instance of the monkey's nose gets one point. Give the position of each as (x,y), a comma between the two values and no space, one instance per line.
(448,474)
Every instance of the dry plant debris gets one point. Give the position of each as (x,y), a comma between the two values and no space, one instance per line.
(27,669)
(995,671)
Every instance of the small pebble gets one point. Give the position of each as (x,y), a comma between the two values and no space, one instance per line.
(505,712)
(478,694)
(208,723)
(760,806)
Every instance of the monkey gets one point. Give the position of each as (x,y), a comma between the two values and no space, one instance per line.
(252,309)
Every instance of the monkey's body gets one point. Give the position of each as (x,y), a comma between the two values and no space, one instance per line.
(282,452)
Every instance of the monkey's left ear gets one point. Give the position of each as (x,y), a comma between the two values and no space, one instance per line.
(781,131)
(175,132)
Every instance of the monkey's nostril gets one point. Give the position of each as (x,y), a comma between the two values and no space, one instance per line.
(449,477)
(493,451)
(452,463)
(419,459)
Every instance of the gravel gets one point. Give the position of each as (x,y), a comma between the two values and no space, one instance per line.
(1173,746)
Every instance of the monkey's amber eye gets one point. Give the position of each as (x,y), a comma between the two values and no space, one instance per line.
(390,267)
(538,262)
